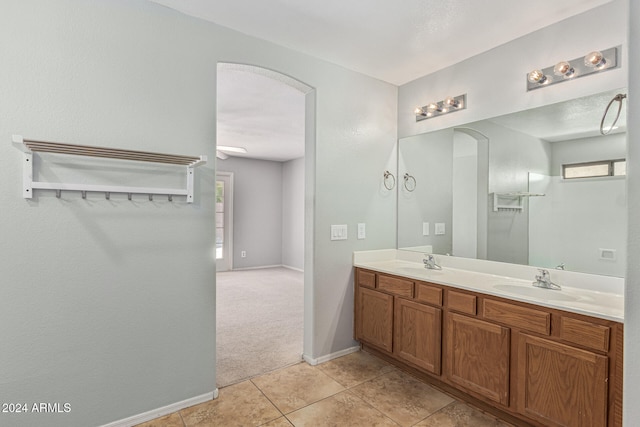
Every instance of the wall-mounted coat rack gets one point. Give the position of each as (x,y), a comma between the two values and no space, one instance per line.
(511,201)
(29,146)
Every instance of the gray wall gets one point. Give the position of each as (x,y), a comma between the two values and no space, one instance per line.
(111,305)
(293,214)
(512,155)
(632,288)
(257,211)
(429,159)
(268,212)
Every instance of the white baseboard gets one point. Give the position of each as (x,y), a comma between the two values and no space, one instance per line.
(259,267)
(326,358)
(165,410)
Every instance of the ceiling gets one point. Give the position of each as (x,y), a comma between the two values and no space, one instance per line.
(393,40)
(261,111)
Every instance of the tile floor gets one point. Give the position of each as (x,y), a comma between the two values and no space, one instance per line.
(354,390)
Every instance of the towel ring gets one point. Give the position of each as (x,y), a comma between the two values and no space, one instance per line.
(407,179)
(619,97)
(388,175)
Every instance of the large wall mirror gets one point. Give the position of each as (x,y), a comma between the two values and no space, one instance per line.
(540,187)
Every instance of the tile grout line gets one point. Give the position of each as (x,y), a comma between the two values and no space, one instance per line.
(270,401)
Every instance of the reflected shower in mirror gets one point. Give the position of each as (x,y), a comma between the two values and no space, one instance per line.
(501,189)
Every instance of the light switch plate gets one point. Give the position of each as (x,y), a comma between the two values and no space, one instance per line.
(362,231)
(440,228)
(339,232)
(425,228)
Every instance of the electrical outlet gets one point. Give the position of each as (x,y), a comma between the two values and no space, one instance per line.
(243,254)
(362,233)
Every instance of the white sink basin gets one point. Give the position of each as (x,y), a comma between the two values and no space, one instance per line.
(531,291)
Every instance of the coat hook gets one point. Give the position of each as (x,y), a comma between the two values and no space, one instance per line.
(129,196)
(84,194)
(107,195)
(58,192)
(170,198)
(151,197)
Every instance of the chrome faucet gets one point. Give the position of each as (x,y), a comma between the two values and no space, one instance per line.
(543,280)
(430,262)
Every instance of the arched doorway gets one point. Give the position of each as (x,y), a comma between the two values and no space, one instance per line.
(270,116)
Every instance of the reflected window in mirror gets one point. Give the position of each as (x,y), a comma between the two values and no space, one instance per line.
(595,169)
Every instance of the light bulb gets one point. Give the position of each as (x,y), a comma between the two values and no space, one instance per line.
(418,111)
(595,59)
(563,69)
(451,102)
(431,108)
(537,76)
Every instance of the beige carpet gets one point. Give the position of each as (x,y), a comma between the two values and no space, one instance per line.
(259,322)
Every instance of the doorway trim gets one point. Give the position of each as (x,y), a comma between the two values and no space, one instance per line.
(227,239)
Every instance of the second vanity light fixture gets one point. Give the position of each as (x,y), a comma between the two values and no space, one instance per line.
(449,105)
(592,63)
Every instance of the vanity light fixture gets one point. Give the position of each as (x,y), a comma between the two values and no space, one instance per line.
(592,63)
(449,105)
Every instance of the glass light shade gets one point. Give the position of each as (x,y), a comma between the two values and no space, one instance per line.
(432,107)
(537,76)
(563,69)
(594,59)
(451,101)
(418,111)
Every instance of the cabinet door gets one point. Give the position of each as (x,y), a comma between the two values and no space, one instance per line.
(560,385)
(478,357)
(374,318)
(417,334)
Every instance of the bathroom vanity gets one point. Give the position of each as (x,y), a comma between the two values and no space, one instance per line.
(481,331)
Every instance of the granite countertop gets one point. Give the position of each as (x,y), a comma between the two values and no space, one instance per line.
(592,295)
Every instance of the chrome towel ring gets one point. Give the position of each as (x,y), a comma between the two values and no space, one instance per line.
(388,175)
(619,97)
(407,182)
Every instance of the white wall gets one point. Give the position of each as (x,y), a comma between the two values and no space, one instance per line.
(495,81)
(111,306)
(293,214)
(610,147)
(575,221)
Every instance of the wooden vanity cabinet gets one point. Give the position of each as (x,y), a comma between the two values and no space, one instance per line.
(478,357)
(560,385)
(417,334)
(543,366)
(374,318)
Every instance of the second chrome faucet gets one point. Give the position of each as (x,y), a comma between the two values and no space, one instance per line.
(430,263)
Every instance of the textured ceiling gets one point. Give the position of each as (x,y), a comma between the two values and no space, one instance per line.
(393,40)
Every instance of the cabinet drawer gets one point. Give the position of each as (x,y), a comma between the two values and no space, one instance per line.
(584,333)
(366,279)
(396,285)
(519,317)
(428,294)
(464,303)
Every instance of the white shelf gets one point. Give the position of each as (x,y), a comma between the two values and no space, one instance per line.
(512,201)
(29,146)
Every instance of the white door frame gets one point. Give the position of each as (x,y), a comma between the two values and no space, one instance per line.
(226,263)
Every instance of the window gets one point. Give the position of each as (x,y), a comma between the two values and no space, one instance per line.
(595,169)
